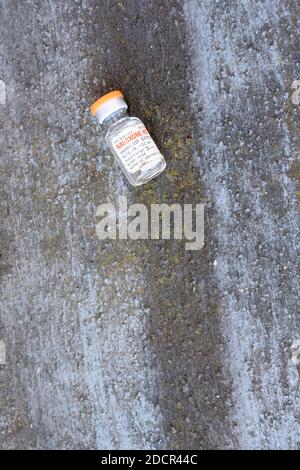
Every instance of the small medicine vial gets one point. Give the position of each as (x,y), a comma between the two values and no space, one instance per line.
(128,139)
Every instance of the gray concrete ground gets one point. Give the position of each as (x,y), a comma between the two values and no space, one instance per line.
(123,344)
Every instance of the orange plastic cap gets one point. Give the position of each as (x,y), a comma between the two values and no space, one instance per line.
(104,98)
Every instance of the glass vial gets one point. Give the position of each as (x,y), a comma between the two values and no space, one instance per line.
(128,139)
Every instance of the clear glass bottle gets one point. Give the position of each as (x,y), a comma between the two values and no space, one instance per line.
(128,139)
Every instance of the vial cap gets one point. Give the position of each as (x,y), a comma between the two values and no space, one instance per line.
(108,104)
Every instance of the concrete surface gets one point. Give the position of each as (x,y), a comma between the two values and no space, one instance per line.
(143,344)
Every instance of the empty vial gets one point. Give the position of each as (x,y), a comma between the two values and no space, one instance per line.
(128,139)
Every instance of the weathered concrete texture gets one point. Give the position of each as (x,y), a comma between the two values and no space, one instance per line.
(141,344)
(246,56)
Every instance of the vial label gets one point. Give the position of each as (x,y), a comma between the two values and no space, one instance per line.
(134,146)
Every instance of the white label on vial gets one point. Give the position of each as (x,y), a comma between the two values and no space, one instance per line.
(134,146)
